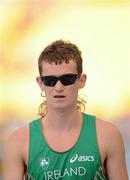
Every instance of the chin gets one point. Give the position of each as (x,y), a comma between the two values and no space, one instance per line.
(62,107)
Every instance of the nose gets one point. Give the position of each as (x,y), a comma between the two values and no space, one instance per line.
(59,86)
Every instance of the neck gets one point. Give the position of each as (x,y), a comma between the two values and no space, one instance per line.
(63,120)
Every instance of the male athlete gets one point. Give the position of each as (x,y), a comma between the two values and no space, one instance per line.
(64,143)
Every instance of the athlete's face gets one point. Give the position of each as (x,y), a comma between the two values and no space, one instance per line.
(61,93)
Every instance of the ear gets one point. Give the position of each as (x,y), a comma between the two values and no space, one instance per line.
(40,83)
(82,80)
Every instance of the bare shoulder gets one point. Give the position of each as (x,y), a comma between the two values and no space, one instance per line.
(21,134)
(15,150)
(18,140)
(107,128)
(109,134)
(112,149)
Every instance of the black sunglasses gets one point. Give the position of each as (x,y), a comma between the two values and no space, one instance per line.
(65,79)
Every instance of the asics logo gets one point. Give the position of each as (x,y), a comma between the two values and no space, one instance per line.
(77,157)
(73,159)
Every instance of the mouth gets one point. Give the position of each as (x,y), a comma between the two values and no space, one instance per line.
(59,96)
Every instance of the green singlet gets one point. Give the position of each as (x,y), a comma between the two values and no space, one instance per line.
(81,162)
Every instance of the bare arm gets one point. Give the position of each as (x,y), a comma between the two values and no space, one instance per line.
(116,165)
(13,158)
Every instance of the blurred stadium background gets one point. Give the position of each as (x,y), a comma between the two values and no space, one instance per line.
(101,29)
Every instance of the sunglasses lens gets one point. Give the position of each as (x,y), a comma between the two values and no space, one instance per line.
(66,79)
(49,80)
